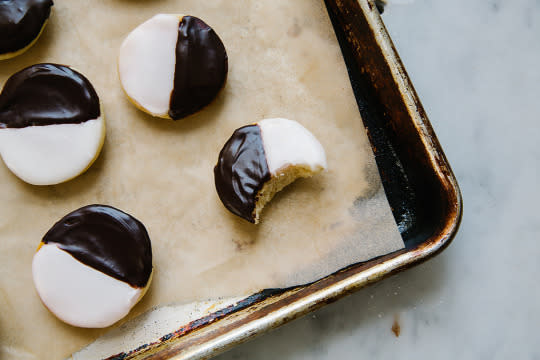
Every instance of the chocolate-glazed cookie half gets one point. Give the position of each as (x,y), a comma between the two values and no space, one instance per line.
(201,67)
(47,94)
(21,23)
(241,171)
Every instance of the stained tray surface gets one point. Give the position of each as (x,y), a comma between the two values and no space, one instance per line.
(419,184)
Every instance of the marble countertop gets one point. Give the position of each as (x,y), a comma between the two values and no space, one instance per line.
(476,67)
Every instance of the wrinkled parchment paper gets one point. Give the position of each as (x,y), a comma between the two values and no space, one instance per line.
(284,62)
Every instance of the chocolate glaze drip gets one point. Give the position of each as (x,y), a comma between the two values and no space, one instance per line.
(106,239)
(20,22)
(47,94)
(201,68)
(241,171)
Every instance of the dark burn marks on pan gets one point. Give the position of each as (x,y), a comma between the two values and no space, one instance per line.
(200,323)
(200,70)
(21,22)
(47,94)
(107,240)
(241,171)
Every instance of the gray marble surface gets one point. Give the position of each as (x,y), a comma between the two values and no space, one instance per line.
(476,67)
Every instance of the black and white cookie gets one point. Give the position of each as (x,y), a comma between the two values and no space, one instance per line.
(93,266)
(21,24)
(261,159)
(172,66)
(51,125)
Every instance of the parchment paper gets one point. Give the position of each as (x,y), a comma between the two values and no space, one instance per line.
(284,62)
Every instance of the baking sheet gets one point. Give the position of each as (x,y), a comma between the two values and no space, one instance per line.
(284,62)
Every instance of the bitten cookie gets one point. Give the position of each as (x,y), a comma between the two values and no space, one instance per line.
(172,66)
(51,125)
(21,24)
(261,159)
(93,266)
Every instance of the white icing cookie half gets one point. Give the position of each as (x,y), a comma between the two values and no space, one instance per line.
(93,266)
(172,66)
(51,124)
(261,159)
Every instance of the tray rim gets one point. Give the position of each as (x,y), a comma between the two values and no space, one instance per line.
(269,313)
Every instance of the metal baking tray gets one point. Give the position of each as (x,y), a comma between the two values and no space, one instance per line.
(420,186)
